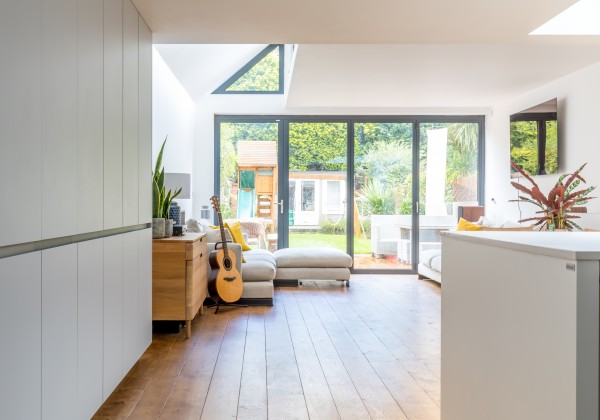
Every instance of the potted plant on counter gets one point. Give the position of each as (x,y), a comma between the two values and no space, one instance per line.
(557,208)
(162,226)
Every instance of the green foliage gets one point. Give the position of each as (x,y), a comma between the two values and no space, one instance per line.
(523,145)
(317,146)
(375,198)
(262,77)
(388,161)
(333,228)
(383,154)
(406,207)
(551,147)
(158,185)
(161,199)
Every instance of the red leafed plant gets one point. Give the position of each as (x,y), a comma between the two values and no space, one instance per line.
(555,209)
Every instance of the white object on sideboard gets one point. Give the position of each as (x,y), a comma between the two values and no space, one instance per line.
(520,325)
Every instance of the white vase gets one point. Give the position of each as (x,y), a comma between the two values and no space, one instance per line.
(158,228)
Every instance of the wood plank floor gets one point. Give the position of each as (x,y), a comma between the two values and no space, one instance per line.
(323,351)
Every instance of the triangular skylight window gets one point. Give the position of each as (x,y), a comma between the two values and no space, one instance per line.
(262,74)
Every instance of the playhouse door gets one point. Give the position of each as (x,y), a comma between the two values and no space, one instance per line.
(305,204)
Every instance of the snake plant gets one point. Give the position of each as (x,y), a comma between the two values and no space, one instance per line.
(161,199)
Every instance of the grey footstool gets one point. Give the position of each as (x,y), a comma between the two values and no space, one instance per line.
(295,264)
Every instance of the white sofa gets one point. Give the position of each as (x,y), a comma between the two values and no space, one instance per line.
(430,265)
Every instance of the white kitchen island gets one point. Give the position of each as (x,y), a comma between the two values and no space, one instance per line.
(520,325)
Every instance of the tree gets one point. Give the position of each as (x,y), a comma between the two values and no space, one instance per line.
(317,146)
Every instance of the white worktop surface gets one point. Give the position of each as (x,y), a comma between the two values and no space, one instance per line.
(568,245)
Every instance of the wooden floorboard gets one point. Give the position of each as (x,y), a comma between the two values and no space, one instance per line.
(323,351)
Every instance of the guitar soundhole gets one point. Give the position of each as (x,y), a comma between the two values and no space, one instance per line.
(227,263)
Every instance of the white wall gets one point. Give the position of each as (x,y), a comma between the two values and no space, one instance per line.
(578,110)
(173,114)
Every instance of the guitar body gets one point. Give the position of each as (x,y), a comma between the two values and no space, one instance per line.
(224,281)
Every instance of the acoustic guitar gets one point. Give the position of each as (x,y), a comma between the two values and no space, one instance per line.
(224,281)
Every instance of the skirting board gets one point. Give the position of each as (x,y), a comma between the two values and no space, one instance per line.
(285,283)
(248,301)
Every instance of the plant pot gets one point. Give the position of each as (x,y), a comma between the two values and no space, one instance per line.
(168,228)
(158,228)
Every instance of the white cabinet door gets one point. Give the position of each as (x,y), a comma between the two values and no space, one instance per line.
(113,114)
(113,313)
(130,114)
(21,329)
(145,123)
(145,290)
(59,118)
(21,121)
(90,289)
(90,117)
(59,332)
(130,300)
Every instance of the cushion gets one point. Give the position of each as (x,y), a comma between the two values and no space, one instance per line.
(193,226)
(258,271)
(436,263)
(238,236)
(425,257)
(259,255)
(312,257)
(213,234)
(466,225)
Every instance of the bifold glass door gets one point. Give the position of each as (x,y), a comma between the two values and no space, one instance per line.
(449,177)
(248,179)
(287,180)
(317,184)
(383,184)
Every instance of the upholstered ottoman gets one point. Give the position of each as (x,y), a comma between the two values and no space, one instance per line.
(295,264)
(258,272)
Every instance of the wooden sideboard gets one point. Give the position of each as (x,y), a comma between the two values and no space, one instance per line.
(179,278)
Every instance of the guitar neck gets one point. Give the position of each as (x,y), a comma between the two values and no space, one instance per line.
(223,238)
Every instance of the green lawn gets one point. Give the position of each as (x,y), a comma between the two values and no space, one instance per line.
(310,239)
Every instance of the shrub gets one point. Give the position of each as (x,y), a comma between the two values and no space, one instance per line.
(331,228)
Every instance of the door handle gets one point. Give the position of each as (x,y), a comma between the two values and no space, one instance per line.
(280,204)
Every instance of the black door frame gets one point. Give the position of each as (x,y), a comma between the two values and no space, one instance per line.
(283,122)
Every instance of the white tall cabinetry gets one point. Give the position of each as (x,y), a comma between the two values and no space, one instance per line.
(21,361)
(520,325)
(75,246)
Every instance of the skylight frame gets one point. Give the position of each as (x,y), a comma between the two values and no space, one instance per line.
(248,66)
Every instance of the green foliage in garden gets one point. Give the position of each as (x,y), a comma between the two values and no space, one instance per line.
(263,77)
(383,158)
(523,145)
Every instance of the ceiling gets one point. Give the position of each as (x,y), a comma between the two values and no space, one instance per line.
(347,21)
(428,75)
(376,53)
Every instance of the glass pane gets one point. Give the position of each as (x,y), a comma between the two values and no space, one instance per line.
(249,179)
(262,77)
(333,195)
(308,196)
(383,195)
(317,155)
(448,178)
(551,147)
(524,146)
